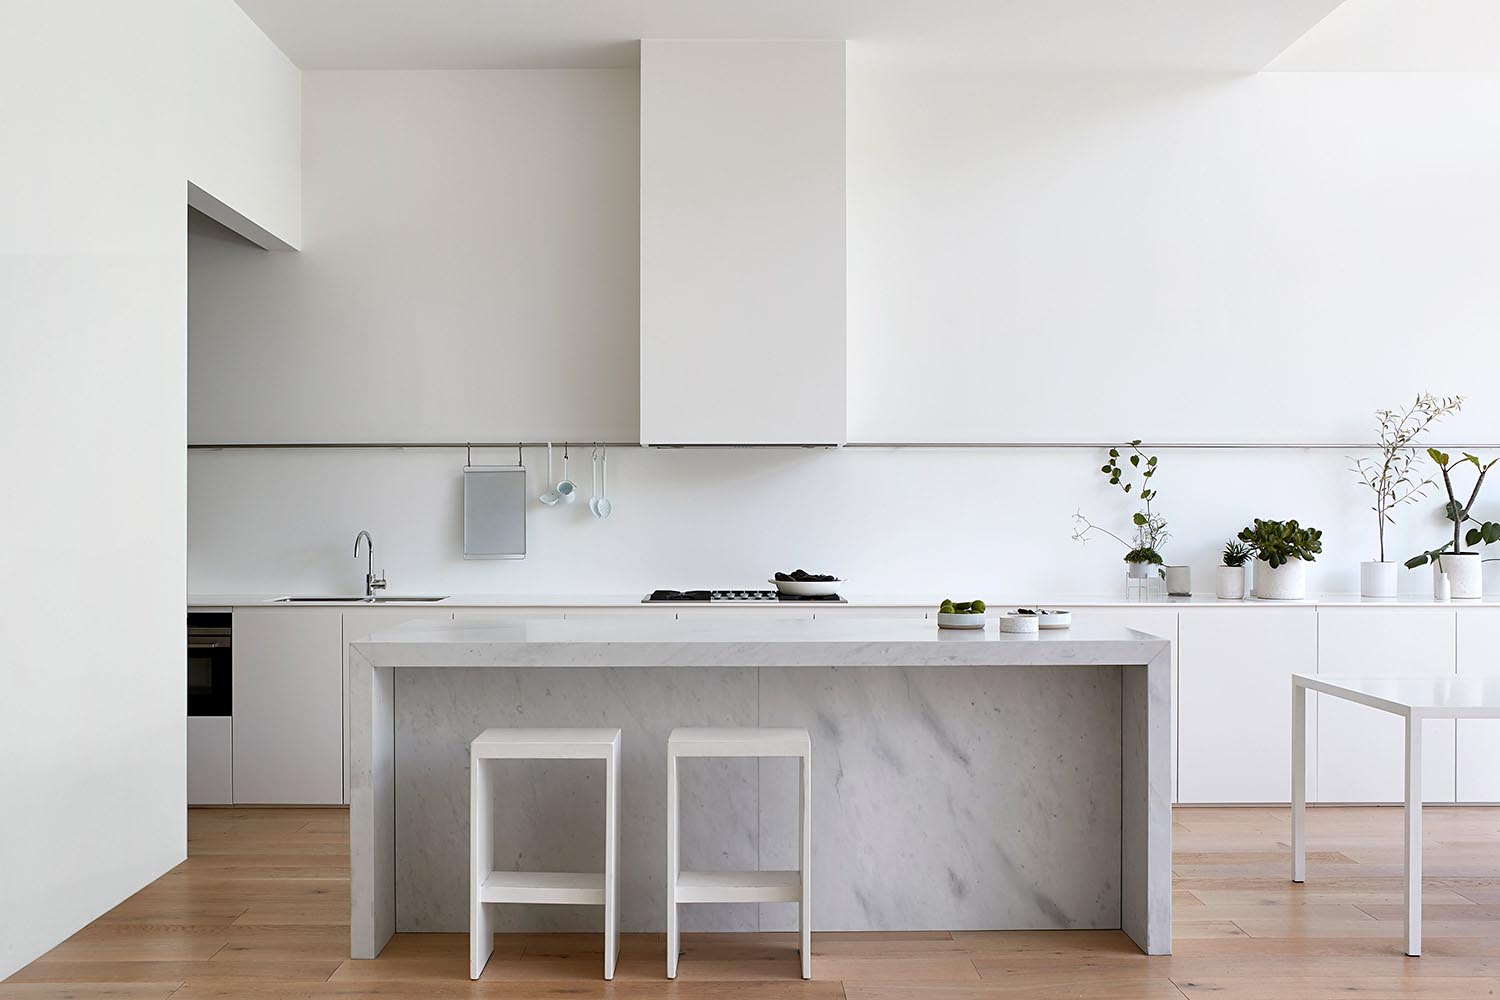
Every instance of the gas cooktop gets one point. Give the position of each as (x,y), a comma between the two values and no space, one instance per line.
(735,597)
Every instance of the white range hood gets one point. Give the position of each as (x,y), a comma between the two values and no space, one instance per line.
(742,242)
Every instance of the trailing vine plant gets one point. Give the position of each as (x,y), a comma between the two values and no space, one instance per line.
(1150,527)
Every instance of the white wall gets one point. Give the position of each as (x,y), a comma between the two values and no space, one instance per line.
(93,185)
(1263,258)
(1127,212)
(470,268)
(918,522)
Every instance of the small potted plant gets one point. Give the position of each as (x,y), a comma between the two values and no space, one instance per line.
(1143,551)
(1282,551)
(1231,582)
(1465,570)
(1393,478)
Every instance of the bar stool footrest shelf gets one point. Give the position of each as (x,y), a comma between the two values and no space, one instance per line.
(566,888)
(739,887)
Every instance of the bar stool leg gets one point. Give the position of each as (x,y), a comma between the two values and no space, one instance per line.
(804,907)
(673,938)
(481,858)
(611,863)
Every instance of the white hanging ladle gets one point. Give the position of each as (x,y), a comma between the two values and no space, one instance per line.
(600,504)
(551,497)
(566,488)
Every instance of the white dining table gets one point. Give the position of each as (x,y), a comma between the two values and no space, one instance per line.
(1415,699)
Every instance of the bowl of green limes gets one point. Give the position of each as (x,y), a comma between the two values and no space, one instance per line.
(961,614)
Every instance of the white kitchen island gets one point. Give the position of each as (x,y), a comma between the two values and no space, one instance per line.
(961,780)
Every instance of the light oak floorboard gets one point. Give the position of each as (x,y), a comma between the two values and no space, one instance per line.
(260,910)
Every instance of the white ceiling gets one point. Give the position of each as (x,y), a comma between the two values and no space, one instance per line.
(1045,35)
(1397,35)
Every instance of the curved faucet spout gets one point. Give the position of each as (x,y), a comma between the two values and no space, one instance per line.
(372,582)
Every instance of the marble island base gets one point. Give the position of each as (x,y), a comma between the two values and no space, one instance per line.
(982,782)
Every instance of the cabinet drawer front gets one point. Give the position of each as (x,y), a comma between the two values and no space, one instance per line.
(1236,680)
(1362,752)
(1479,739)
(288,706)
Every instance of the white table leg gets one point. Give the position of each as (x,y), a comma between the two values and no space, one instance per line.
(804,910)
(1299,782)
(673,937)
(611,862)
(1413,834)
(481,861)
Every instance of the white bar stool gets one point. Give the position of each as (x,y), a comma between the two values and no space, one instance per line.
(488,885)
(739,887)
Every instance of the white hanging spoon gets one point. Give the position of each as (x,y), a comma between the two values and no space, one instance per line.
(550,497)
(602,506)
(594,482)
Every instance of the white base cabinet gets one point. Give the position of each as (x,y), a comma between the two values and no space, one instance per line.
(1234,725)
(1361,752)
(288,703)
(210,760)
(1479,739)
(1231,696)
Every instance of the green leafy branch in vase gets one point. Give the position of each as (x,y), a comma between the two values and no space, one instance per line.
(1484,532)
(1150,527)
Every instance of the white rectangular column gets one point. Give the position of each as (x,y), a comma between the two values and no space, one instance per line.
(372,807)
(1146,804)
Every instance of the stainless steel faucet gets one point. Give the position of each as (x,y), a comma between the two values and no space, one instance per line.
(372,582)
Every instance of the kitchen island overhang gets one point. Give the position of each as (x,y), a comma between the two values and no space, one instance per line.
(995,773)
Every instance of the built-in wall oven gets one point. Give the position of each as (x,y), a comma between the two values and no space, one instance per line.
(210,708)
(210,663)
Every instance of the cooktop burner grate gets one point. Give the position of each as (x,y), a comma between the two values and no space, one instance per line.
(736,597)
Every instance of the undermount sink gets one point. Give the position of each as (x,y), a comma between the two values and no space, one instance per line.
(357,599)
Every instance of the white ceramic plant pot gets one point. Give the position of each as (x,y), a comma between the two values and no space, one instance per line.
(1465,574)
(1180,581)
(1231,583)
(1377,579)
(1139,571)
(1287,582)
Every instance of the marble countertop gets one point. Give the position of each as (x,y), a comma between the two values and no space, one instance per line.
(855,601)
(748,641)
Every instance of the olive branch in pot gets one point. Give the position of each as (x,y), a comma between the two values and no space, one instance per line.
(1392,478)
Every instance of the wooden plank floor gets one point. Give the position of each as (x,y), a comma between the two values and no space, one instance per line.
(260,910)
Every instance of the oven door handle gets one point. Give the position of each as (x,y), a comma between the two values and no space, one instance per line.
(208,644)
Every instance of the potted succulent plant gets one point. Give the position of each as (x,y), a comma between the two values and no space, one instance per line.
(1143,551)
(1465,570)
(1393,478)
(1282,551)
(1231,582)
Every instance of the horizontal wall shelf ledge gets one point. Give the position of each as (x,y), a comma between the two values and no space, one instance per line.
(584,442)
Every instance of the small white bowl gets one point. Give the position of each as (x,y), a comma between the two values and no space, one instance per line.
(960,620)
(807,588)
(1018,624)
(1048,619)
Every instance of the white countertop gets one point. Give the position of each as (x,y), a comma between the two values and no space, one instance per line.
(747,641)
(855,601)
